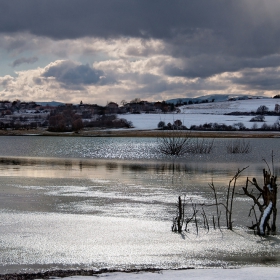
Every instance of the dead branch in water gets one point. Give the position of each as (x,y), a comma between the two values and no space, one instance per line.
(265,200)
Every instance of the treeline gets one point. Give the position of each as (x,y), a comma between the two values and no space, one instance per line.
(178,125)
(235,127)
(68,120)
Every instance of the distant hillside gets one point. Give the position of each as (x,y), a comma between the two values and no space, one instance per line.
(51,103)
(213,98)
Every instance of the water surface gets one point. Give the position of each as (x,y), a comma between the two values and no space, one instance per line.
(109,202)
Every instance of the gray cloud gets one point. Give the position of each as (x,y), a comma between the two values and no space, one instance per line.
(259,80)
(235,24)
(204,66)
(37,81)
(74,76)
(236,29)
(199,39)
(23,60)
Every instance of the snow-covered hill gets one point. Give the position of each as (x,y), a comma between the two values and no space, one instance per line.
(220,108)
(215,98)
(213,112)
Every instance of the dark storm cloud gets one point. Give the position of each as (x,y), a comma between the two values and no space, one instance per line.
(204,66)
(208,36)
(268,79)
(238,26)
(75,76)
(71,18)
(23,60)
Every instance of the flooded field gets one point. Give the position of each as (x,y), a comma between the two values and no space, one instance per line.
(95,202)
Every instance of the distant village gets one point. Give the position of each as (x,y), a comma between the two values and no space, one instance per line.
(18,115)
(69,117)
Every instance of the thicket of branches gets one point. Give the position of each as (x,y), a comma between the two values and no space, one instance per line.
(265,202)
(179,143)
(174,143)
(264,205)
(238,146)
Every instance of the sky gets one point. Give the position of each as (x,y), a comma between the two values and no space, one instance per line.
(97,51)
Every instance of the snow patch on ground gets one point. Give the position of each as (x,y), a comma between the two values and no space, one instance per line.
(256,273)
(150,121)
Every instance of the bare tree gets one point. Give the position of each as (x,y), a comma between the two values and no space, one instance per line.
(262,110)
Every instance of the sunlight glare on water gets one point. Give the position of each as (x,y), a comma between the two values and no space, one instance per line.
(98,203)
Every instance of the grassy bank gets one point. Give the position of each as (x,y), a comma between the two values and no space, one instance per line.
(142,133)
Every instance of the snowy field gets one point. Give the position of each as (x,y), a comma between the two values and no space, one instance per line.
(219,108)
(198,114)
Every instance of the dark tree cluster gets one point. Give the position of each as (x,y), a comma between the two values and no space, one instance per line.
(236,127)
(259,118)
(108,121)
(216,127)
(65,121)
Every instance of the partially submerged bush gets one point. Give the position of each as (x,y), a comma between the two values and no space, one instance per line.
(174,143)
(182,219)
(239,147)
(202,146)
(264,206)
(179,143)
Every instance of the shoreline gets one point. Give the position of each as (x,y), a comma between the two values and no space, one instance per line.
(143,133)
(50,274)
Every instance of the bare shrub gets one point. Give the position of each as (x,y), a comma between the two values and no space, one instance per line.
(178,143)
(202,146)
(239,147)
(174,143)
(264,205)
(182,219)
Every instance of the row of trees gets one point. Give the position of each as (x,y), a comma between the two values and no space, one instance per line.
(178,125)
(264,205)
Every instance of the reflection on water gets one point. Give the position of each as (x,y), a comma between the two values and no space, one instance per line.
(60,211)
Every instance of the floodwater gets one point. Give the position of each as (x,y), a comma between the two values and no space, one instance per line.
(109,202)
